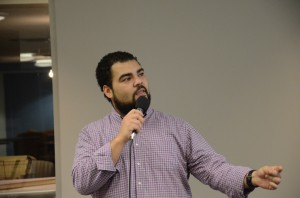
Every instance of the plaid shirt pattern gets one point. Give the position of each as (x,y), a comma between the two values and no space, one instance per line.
(163,156)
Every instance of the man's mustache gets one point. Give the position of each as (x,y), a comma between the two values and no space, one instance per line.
(141,87)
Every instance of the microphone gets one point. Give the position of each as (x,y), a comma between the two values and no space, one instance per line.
(141,104)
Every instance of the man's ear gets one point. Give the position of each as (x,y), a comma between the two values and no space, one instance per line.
(107,91)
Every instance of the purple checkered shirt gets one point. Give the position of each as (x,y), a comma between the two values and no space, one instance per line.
(163,156)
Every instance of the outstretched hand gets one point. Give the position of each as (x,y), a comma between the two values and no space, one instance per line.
(267,177)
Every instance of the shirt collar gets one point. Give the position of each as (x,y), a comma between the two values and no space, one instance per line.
(117,116)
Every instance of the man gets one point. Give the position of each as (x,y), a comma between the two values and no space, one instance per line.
(163,154)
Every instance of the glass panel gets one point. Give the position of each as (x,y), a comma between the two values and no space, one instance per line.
(26,101)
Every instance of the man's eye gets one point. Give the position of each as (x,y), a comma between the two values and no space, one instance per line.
(141,74)
(126,79)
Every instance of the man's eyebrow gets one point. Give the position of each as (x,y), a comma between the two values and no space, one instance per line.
(140,70)
(125,75)
(130,74)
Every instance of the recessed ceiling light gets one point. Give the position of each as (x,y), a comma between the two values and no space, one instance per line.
(43,63)
(2,15)
(24,57)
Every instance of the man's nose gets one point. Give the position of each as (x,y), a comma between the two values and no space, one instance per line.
(138,81)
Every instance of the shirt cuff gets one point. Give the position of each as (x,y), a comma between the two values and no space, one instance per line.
(242,171)
(103,159)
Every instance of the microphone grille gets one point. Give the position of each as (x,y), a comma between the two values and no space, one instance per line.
(142,103)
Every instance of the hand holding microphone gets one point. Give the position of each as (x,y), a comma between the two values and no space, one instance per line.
(142,105)
(133,121)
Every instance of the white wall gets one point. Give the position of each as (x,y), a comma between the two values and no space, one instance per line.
(230,68)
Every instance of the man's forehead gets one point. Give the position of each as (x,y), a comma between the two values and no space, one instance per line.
(121,68)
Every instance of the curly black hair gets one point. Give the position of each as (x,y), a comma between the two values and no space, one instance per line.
(103,70)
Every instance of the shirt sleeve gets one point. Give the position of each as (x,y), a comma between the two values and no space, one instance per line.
(212,168)
(92,166)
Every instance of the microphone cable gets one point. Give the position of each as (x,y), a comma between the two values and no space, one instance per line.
(130,151)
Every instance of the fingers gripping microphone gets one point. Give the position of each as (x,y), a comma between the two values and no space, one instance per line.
(142,104)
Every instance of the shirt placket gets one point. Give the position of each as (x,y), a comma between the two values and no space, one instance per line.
(138,168)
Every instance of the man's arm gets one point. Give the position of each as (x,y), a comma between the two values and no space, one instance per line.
(133,121)
(92,167)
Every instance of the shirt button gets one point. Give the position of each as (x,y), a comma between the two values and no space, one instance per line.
(139,183)
(136,144)
(138,163)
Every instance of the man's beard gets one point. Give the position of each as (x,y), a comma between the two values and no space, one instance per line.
(123,107)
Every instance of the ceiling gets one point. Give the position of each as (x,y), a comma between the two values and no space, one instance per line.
(25,29)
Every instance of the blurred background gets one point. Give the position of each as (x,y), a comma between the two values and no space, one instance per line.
(26,104)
